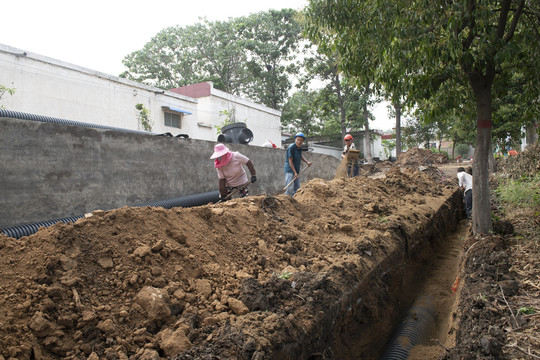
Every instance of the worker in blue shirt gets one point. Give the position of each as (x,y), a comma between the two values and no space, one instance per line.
(293,160)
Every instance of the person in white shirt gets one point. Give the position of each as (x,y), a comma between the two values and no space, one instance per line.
(465,183)
(231,173)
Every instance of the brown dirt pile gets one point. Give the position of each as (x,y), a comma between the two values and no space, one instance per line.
(235,280)
(526,163)
(417,156)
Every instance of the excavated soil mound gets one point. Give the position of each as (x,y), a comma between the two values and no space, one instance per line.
(253,278)
(498,313)
(417,156)
(526,163)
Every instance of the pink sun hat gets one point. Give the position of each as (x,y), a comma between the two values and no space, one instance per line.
(219,150)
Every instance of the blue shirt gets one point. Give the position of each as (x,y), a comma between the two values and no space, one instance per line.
(295,153)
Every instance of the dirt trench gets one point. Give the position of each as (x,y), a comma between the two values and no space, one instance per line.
(425,261)
(322,275)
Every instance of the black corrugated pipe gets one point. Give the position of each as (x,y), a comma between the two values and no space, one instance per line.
(415,326)
(19,231)
(24,116)
(186,201)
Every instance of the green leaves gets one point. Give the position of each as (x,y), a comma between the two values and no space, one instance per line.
(143,117)
(248,56)
(301,112)
(4,90)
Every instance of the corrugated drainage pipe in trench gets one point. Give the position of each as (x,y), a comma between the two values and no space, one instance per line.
(19,231)
(415,326)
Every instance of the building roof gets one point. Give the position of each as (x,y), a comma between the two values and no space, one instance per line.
(195,90)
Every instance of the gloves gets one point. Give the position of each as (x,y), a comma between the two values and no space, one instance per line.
(224,198)
(253,178)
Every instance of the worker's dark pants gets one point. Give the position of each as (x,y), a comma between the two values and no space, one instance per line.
(468,203)
(353,170)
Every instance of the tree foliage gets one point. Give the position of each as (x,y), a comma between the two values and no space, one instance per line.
(177,56)
(339,100)
(272,41)
(301,113)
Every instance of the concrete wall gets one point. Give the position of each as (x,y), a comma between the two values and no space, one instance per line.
(50,171)
(328,150)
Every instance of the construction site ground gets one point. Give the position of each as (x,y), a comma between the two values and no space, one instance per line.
(325,274)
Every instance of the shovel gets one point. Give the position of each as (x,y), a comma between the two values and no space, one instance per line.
(289,184)
(229,195)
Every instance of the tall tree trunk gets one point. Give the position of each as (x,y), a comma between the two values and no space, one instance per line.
(367,137)
(343,115)
(367,144)
(531,134)
(482,223)
(397,108)
(492,165)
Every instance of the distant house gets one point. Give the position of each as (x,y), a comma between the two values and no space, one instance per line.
(53,88)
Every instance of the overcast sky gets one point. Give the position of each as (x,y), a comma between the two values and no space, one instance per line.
(98,34)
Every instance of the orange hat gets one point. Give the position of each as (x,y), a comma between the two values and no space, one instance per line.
(348,137)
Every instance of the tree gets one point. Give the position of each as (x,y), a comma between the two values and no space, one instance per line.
(450,109)
(462,150)
(388,146)
(418,132)
(176,56)
(301,113)
(425,44)
(271,40)
(340,96)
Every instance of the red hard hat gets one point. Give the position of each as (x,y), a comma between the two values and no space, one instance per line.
(348,137)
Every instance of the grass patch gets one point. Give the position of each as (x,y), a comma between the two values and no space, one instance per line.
(524,192)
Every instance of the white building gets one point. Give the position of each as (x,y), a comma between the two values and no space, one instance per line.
(263,121)
(53,88)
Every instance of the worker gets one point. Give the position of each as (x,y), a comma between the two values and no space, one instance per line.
(465,183)
(231,174)
(293,161)
(352,164)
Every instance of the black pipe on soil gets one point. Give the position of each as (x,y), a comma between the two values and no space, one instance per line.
(186,201)
(414,329)
(19,231)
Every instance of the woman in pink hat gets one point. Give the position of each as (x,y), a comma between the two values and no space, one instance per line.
(230,171)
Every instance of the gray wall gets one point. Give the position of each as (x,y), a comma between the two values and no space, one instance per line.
(50,171)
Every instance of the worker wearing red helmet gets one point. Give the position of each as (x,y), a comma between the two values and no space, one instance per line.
(349,144)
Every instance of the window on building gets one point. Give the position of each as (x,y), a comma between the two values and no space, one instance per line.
(172,116)
(172,119)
